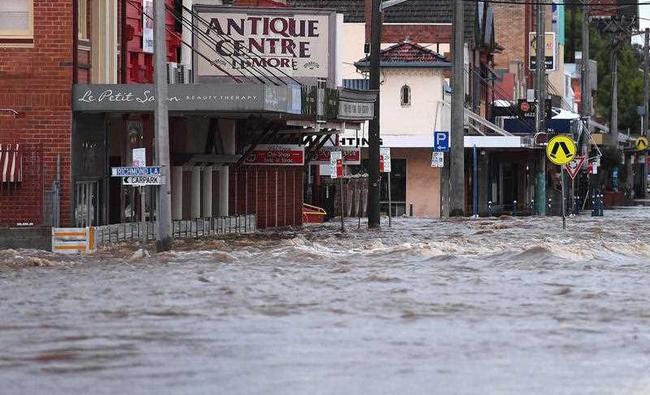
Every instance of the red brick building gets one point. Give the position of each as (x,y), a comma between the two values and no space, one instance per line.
(35,108)
(57,147)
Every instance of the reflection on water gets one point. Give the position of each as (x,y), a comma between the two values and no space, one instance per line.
(500,306)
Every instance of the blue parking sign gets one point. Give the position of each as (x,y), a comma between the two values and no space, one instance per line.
(441,141)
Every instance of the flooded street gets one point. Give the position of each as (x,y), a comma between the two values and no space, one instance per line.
(487,306)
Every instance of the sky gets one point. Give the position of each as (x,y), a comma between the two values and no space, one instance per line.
(644,12)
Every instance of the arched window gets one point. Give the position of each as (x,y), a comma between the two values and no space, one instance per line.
(405,96)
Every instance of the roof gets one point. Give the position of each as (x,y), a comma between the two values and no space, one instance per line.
(407,54)
(411,11)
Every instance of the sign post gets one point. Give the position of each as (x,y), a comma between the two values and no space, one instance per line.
(560,151)
(336,171)
(573,168)
(385,167)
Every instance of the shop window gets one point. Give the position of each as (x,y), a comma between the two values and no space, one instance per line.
(17,23)
(405,96)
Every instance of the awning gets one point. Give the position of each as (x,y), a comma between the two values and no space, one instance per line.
(11,163)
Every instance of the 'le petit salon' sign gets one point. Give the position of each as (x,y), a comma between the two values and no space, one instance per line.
(189,97)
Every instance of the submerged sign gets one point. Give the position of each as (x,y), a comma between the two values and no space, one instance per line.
(240,41)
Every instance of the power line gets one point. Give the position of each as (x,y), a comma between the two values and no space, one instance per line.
(206,23)
(138,7)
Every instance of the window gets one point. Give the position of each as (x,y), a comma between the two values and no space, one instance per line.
(16,23)
(82,17)
(405,96)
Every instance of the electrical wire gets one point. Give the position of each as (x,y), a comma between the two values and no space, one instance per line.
(189,24)
(207,24)
(138,7)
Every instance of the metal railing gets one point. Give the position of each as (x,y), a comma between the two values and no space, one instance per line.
(182,229)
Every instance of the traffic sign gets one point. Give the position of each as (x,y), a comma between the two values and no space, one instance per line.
(438,159)
(384,160)
(641,144)
(135,171)
(561,150)
(336,164)
(573,167)
(142,180)
(441,141)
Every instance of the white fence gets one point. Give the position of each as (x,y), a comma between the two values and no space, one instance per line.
(183,229)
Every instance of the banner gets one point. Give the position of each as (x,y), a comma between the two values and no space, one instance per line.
(351,155)
(147,26)
(277,155)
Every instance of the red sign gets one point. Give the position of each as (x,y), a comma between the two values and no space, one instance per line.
(351,155)
(339,168)
(573,167)
(277,155)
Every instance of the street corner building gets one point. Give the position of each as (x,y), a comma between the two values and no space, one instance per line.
(250,101)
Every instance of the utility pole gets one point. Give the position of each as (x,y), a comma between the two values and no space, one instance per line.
(646,97)
(613,127)
(646,81)
(457,154)
(540,113)
(374,177)
(586,83)
(161,128)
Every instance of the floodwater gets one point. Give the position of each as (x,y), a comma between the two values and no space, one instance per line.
(498,306)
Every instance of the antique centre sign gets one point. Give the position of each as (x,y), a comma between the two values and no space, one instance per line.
(241,41)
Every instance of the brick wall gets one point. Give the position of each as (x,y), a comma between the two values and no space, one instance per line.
(36,82)
(274,193)
(511,33)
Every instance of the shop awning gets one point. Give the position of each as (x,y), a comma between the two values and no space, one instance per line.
(11,163)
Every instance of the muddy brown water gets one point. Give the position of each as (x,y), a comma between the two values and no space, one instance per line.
(487,306)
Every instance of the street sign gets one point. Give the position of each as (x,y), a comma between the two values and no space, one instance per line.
(550,51)
(384,160)
(573,167)
(561,150)
(336,164)
(135,171)
(438,159)
(142,180)
(641,144)
(441,141)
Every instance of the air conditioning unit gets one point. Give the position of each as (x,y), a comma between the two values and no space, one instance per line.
(172,72)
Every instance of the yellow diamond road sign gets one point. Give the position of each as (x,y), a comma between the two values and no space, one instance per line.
(641,144)
(561,150)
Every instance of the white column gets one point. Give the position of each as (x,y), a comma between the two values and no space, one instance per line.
(227,127)
(177,193)
(224,190)
(207,192)
(196,193)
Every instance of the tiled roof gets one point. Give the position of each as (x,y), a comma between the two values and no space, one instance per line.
(407,54)
(352,10)
(411,11)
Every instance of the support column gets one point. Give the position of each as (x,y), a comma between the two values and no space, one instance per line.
(196,193)
(227,130)
(207,192)
(483,187)
(177,193)
(224,190)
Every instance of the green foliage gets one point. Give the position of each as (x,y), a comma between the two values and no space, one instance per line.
(630,75)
